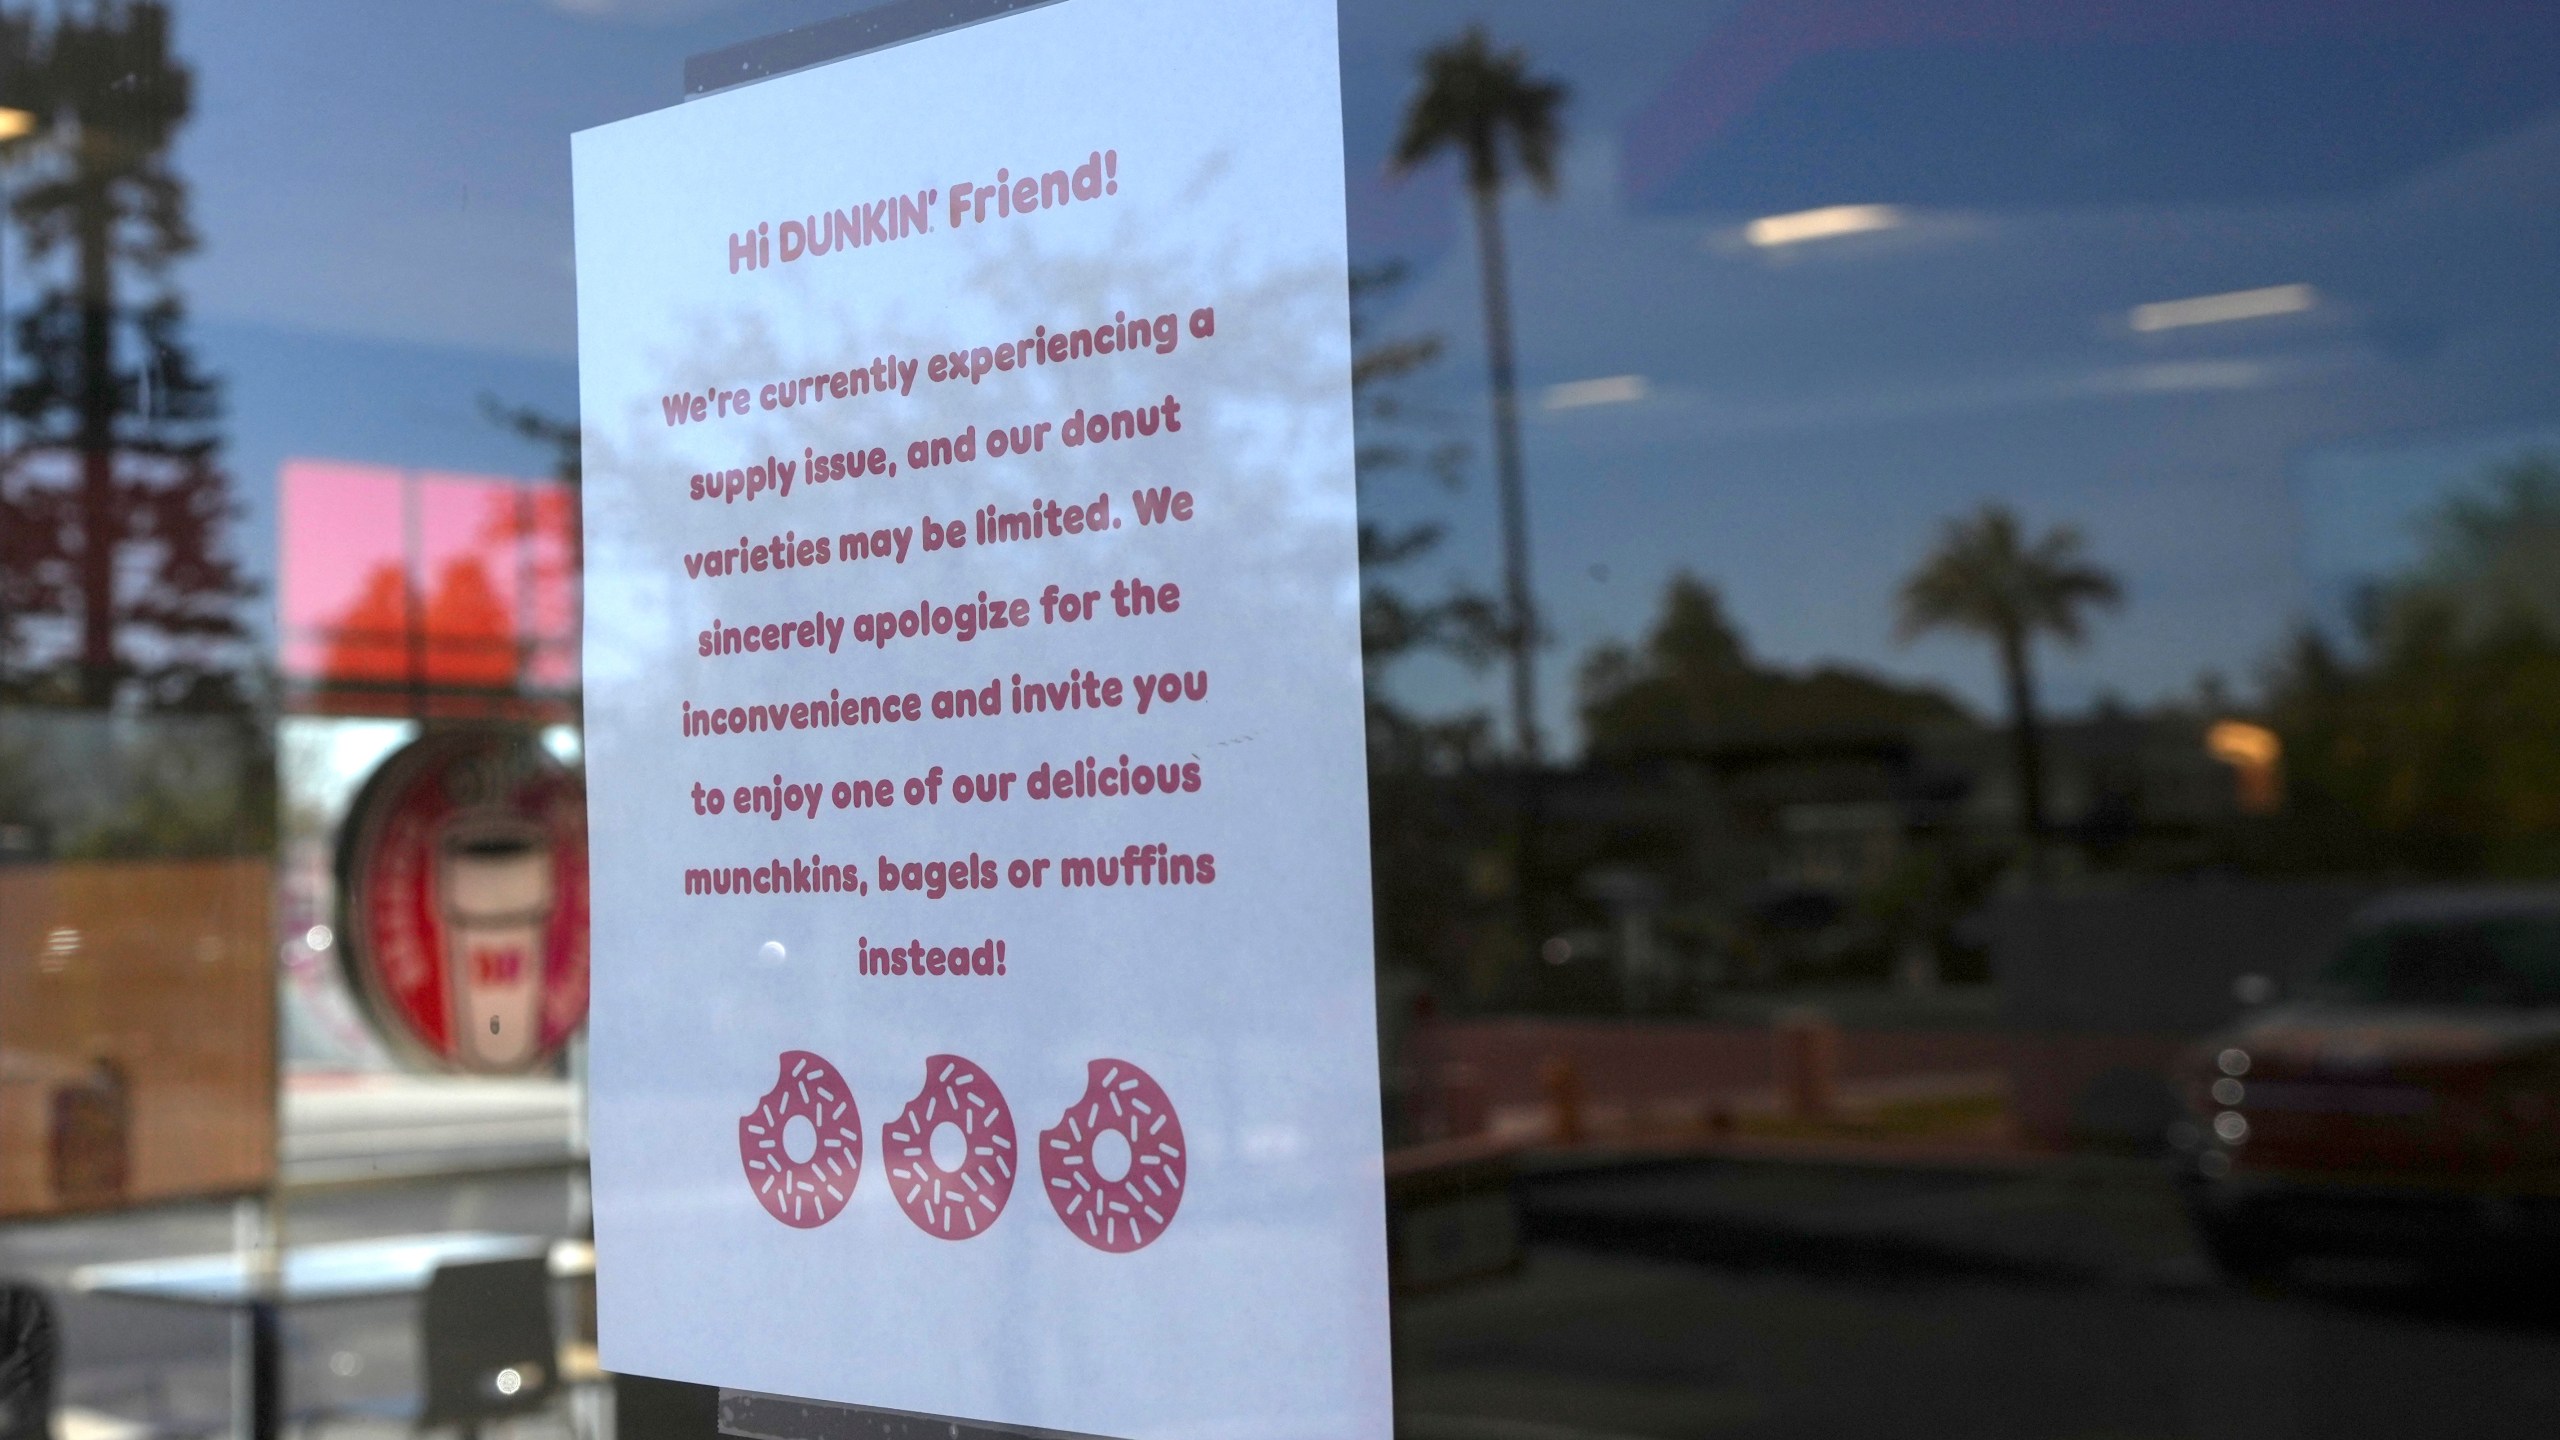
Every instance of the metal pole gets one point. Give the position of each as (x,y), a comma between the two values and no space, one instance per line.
(257,1338)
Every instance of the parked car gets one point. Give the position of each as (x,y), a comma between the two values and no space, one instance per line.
(2402,1101)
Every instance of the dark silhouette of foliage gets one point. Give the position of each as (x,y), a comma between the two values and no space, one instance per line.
(119,582)
(1428,817)
(1397,441)
(560,437)
(2429,743)
(1693,684)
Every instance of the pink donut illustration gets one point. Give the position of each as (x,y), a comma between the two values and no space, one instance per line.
(807,1191)
(1114,1201)
(958,1202)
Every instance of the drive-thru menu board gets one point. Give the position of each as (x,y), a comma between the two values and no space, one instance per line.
(982,988)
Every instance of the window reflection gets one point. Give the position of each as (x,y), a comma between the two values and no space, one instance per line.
(136,770)
(2040,528)
(410,594)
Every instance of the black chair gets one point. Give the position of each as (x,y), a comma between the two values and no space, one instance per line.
(486,1351)
(487,1343)
(29,1351)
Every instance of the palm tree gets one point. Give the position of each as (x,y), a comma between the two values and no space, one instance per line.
(1987,577)
(1485,105)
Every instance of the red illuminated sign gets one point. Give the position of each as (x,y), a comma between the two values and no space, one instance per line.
(463,876)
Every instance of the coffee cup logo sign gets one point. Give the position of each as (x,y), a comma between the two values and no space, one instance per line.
(463,887)
(497,896)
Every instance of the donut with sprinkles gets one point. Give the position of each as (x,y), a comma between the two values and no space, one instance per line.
(1129,1210)
(804,1193)
(961,1201)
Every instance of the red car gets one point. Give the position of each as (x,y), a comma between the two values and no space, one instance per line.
(2403,1102)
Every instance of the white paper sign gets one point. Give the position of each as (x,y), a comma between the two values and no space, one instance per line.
(983,1018)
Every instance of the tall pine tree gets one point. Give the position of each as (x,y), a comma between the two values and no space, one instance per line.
(120,587)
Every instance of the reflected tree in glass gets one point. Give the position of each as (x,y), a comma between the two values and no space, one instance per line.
(1429,818)
(1989,578)
(122,588)
(2428,741)
(1485,106)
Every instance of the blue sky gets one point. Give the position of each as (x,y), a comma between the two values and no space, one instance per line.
(384,195)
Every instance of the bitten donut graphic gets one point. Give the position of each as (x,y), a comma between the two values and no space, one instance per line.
(957,1200)
(802,1144)
(1114,1163)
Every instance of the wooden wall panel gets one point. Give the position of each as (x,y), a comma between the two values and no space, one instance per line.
(137,1032)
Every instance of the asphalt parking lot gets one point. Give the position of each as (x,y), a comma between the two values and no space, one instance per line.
(1757,1300)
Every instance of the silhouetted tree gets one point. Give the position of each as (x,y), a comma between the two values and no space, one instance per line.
(561,438)
(2492,560)
(114,499)
(370,641)
(1486,106)
(1426,815)
(1987,578)
(2430,741)
(566,443)
(1395,440)
(1695,682)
